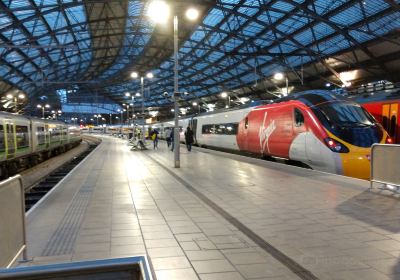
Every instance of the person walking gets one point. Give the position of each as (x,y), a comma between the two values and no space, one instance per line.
(154,137)
(189,138)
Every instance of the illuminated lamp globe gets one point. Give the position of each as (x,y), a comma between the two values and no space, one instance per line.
(158,11)
(278,76)
(134,75)
(192,14)
(150,75)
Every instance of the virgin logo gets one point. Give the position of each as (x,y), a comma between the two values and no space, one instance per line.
(265,132)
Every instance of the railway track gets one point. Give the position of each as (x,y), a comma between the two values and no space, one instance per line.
(34,192)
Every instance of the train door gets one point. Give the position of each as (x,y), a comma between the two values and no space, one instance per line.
(194,128)
(10,140)
(2,142)
(47,136)
(390,120)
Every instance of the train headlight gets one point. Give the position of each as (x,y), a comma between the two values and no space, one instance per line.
(335,146)
(389,140)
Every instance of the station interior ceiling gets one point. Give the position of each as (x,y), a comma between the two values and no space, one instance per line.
(87,49)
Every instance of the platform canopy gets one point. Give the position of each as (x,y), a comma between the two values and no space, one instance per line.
(235,46)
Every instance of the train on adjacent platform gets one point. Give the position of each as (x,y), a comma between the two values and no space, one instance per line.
(322,130)
(384,105)
(25,141)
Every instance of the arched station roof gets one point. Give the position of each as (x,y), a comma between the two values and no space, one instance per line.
(235,46)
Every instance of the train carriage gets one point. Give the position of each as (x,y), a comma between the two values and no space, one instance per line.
(385,107)
(218,130)
(15,141)
(24,141)
(318,128)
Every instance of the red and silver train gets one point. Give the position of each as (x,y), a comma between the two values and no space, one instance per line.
(318,128)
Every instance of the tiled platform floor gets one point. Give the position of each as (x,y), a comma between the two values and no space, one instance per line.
(122,203)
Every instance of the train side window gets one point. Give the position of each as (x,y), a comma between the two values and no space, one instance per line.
(246,123)
(2,144)
(220,129)
(41,135)
(205,129)
(22,136)
(298,117)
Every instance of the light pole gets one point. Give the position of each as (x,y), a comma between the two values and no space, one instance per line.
(149,75)
(97,119)
(226,95)
(159,13)
(125,110)
(122,116)
(279,76)
(15,98)
(127,94)
(54,112)
(40,106)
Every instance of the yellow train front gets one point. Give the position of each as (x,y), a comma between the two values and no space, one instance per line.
(350,131)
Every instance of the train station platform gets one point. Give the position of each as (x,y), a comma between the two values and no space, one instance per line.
(220,216)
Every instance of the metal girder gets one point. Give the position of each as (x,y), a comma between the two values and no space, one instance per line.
(109,41)
(393,4)
(287,36)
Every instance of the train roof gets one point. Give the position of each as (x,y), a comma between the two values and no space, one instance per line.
(252,104)
(27,118)
(312,97)
(13,116)
(377,96)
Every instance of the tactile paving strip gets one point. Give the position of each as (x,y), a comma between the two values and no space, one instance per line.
(63,239)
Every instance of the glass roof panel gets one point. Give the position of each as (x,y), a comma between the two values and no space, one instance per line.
(233,38)
(349,16)
(4,21)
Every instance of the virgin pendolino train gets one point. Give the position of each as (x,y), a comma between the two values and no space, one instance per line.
(322,130)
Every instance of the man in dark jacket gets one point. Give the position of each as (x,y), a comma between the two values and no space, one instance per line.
(171,137)
(189,138)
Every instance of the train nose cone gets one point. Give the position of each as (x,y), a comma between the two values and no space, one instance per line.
(356,164)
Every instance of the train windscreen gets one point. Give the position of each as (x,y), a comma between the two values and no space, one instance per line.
(350,122)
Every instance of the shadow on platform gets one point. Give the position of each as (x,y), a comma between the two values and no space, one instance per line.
(379,208)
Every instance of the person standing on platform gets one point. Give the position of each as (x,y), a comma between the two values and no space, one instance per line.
(189,138)
(168,136)
(154,137)
(171,137)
